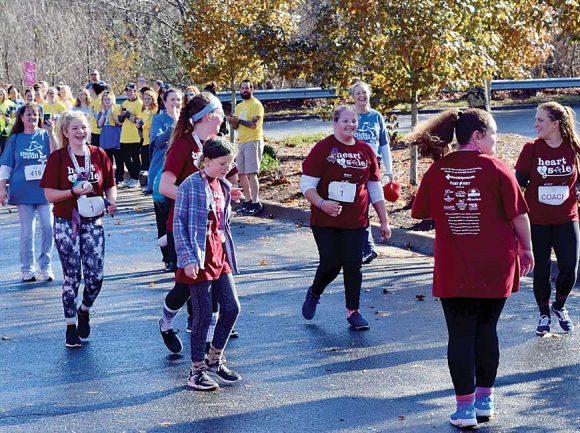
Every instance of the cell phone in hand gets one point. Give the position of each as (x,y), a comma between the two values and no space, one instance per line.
(47,117)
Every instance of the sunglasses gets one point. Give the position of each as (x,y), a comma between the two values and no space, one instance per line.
(189,94)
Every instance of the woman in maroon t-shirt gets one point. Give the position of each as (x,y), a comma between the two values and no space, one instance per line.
(480,215)
(199,119)
(75,172)
(340,176)
(547,169)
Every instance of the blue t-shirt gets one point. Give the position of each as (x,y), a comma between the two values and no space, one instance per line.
(372,130)
(27,155)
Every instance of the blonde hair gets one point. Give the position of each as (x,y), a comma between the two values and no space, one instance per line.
(340,109)
(63,123)
(87,94)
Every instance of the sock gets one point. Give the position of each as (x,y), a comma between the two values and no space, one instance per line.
(197,366)
(465,400)
(481,392)
(544,309)
(559,302)
(83,310)
(214,355)
(167,318)
(210,331)
(350,313)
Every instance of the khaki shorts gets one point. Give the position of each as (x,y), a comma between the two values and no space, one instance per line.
(249,156)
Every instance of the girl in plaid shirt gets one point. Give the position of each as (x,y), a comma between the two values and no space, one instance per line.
(205,256)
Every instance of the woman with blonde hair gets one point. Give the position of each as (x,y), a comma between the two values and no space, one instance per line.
(547,169)
(66,97)
(149,110)
(76,177)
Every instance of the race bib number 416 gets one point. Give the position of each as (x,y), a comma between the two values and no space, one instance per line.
(34,172)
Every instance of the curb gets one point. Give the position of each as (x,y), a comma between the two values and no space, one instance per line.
(421,242)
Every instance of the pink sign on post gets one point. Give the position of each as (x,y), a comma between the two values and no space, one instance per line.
(29,73)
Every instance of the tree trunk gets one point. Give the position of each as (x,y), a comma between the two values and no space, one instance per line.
(233,110)
(413,149)
(488,96)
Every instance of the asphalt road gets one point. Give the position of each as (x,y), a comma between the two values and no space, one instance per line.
(298,376)
(512,120)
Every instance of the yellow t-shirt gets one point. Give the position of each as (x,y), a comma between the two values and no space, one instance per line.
(246,110)
(95,109)
(56,108)
(146,116)
(129,131)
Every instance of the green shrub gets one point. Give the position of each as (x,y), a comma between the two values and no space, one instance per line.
(303,139)
(270,161)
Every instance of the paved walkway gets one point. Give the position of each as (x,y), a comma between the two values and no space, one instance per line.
(299,376)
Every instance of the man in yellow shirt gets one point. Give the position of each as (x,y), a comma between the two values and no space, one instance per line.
(247,120)
(130,138)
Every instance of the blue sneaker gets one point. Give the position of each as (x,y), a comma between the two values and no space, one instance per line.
(563,318)
(543,325)
(464,416)
(309,306)
(484,406)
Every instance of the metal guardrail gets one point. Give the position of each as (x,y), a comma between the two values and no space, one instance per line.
(319,93)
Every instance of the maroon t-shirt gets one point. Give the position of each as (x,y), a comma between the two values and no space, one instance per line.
(333,161)
(472,197)
(216,262)
(60,173)
(551,192)
(180,161)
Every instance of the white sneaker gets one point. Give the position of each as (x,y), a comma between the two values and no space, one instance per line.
(28,277)
(47,275)
(133,183)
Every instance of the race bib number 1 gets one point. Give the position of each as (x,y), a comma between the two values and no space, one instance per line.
(342,191)
(34,172)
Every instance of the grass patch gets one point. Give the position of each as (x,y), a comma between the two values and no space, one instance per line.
(270,161)
(302,139)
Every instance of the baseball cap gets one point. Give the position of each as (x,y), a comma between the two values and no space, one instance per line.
(130,86)
(94,72)
(159,82)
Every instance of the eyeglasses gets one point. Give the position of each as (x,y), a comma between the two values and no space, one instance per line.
(93,75)
(224,165)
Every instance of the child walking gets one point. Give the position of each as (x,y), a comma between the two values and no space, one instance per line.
(206,260)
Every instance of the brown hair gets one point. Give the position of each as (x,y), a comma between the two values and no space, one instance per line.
(184,125)
(567,118)
(340,109)
(19,124)
(434,135)
(87,94)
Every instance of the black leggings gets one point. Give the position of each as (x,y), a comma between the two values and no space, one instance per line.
(473,348)
(131,157)
(113,155)
(339,248)
(564,239)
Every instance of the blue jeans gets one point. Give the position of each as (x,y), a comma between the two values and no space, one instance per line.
(27,217)
(224,290)
(369,245)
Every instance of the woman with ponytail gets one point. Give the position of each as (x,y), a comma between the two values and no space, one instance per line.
(482,247)
(548,169)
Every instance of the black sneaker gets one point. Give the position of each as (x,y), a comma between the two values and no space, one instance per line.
(171,340)
(200,380)
(358,322)
(83,326)
(170,267)
(253,209)
(369,257)
(220,370)
(72,338)
(309,306)
(244,207)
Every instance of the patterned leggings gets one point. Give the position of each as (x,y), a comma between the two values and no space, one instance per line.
(89,248)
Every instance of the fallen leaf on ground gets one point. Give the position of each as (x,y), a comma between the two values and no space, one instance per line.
(5,337)
(401,417)
(152,284)
(420,297)
(263,262)
(385,291)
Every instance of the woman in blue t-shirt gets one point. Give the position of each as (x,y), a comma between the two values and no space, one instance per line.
(22,165)
(372,130)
